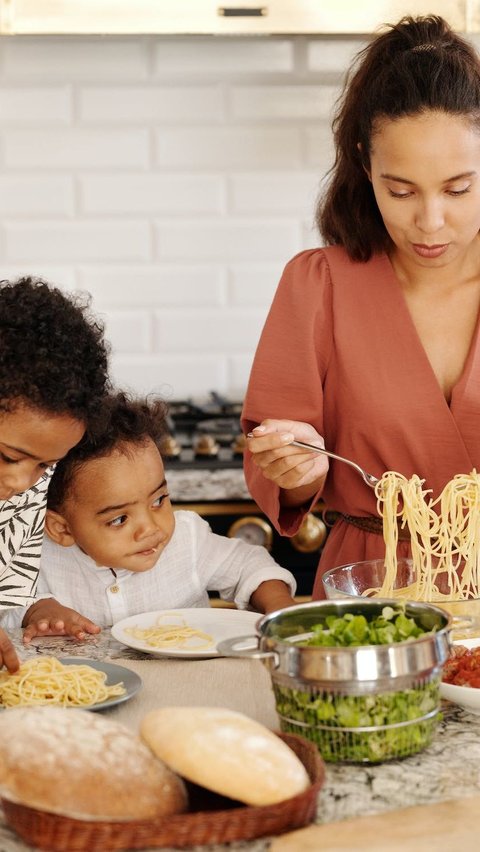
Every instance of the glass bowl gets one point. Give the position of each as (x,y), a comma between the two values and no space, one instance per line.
(364,579)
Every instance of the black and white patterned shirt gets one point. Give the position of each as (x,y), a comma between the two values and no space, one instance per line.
(21,534)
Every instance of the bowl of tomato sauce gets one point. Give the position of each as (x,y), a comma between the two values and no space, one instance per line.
(461,675)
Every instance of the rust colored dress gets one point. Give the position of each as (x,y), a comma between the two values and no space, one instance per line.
(340,350)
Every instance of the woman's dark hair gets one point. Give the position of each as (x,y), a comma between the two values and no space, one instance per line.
(417,65)
(124,421)
(52,353)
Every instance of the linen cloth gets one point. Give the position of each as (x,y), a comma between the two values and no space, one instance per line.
(195,561)
(340,350)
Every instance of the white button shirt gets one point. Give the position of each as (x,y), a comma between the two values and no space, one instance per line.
(195,561)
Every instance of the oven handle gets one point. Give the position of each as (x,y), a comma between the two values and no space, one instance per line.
(247,646)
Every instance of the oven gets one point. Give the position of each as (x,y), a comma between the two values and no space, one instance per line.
(203,457)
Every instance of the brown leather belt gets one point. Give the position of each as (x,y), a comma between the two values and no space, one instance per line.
(373,525)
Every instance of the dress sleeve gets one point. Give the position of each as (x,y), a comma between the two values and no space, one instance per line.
(289,368)
(232,567)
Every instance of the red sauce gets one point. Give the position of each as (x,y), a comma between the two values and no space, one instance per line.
(463,667)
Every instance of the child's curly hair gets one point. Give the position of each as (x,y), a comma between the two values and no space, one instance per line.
(52,352)
(125,421)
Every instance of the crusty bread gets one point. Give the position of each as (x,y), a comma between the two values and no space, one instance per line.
(225,751)
(80,764)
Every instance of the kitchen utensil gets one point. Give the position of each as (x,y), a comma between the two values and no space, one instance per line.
(361,704)
(369,478)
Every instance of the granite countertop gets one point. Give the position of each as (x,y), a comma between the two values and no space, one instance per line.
(448,769)
(188,486)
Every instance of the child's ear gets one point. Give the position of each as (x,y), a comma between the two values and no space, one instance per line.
(58,529)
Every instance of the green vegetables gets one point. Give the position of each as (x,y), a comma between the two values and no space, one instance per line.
(389,627)
(328,720)
(369,727)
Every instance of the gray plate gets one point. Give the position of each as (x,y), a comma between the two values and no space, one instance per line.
(115,674)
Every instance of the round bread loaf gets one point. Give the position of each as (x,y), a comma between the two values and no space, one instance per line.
(226,752)
(80,764)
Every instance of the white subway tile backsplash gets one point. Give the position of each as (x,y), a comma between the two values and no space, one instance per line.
(129,332)
(319,151)
(229,147)
(150,285)
(59,276)
(217,331)
(37,195)
(282,192)
(261,103)
(329,56)
(171,376)
(170,178)
(223,56)
(239,367)
(137,104)
(76,148)
(76,241)
(253,283)
(35,105)
(222,240)
(152,193)
(74,58)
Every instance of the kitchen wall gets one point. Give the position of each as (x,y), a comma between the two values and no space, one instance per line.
(172,178)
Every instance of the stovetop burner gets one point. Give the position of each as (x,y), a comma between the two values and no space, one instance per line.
(204,435)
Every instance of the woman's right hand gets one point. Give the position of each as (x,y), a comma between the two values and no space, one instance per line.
(289,467)
(8,655)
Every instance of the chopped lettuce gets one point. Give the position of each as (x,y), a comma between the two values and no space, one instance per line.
(328,719)
(348,629)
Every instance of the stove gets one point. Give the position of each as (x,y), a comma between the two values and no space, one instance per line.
(204,436)
(203,458)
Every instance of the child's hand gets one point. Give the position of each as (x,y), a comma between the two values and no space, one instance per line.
(49,618)
(8,656)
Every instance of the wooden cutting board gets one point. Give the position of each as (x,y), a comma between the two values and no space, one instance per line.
(446,827)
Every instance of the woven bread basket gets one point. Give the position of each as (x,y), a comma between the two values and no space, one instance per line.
(211,819)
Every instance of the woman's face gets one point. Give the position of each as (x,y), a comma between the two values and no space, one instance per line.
(30,441)
(425,173)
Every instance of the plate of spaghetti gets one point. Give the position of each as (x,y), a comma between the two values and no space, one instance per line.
(67,682)
(461,676)
(191,632)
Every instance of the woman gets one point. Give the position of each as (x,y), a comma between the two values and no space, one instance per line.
(372,345)
(53,375)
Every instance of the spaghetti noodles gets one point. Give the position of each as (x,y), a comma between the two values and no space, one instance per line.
(174,635)
(45,680)
(445,536)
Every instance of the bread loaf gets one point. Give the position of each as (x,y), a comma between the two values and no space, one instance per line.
(226,752)
(80,764)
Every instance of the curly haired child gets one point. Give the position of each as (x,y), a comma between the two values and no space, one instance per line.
(53,375)
(115,547)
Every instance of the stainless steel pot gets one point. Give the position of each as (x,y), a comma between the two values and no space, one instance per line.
(359,703)
(353,670)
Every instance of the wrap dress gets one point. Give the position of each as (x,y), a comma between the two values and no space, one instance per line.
(339,350)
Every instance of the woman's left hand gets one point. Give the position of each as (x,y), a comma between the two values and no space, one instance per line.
(47,617)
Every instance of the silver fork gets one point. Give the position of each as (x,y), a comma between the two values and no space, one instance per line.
(369,478)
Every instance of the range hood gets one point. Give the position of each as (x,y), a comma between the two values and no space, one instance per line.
(214,17)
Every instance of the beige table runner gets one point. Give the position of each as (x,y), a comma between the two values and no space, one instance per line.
(242,685)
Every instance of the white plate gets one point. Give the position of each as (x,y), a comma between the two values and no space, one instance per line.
(219,623)
(467,697)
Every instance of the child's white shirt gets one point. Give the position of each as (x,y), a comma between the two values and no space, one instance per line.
(195,561)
